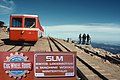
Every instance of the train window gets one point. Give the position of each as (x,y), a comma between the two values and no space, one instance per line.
(30,22)
(16,22)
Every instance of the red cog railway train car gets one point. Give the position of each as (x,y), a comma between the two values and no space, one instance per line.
(25,28)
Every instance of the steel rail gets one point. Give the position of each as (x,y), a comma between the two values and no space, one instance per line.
(50,44)
(20,48)
(11,49)
(29,49)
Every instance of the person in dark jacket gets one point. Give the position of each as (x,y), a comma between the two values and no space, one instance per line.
(84,38)
(88,39)
(80,39)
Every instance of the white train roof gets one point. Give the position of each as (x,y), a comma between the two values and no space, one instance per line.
(24,15)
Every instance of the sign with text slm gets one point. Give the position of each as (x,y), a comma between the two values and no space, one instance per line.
(54,65)
(37,65)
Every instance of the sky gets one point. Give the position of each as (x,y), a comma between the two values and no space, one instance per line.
(69,18)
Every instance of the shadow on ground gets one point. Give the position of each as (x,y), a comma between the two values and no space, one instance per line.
(17,43)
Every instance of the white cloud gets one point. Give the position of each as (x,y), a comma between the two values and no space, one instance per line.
(84,28)
(97,31)
(7,6)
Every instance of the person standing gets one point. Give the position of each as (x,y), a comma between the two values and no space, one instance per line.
(88,39)
(80,38)
(84,38)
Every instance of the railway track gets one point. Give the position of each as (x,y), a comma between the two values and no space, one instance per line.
(10,48)
(80,75)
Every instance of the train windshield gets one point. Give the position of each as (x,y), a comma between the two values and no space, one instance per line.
(16,22)
(30,22)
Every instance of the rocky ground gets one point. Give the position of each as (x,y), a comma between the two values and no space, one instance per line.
(98,50)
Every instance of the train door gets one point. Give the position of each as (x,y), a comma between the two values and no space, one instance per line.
(30,31)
